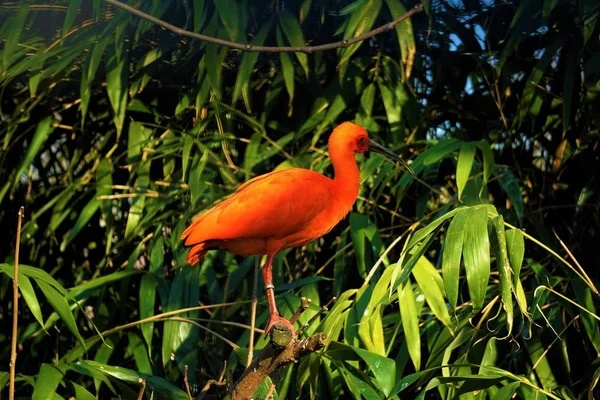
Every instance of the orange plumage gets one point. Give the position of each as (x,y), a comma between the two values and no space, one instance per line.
(285,208)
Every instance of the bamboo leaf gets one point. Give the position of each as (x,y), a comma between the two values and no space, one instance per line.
(506,278)
(61,307)
(247,64)
(86,214)
(161,386)
(464,165)
(431,285)
(47,381)
(451,257)
(72,12)
(516,251)
(476,253)
(287,68)
(410,322)
(406,39)
(293,32)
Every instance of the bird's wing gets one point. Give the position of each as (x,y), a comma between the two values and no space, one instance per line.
(273,205)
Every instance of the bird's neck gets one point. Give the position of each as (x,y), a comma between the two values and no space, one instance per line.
(346,179)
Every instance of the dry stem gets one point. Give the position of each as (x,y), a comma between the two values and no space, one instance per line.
(13,343)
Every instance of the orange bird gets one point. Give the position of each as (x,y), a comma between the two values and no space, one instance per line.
(285,208)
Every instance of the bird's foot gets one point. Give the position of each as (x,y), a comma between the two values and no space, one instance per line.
(279,324)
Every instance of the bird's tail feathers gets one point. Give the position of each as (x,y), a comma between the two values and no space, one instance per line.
(196,253)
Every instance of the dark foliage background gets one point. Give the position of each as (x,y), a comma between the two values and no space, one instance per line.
(115,132)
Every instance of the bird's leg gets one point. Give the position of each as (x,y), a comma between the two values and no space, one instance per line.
(274,317)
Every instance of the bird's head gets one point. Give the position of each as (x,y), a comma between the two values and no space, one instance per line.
(357,138)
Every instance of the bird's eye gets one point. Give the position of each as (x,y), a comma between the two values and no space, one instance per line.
(361,139)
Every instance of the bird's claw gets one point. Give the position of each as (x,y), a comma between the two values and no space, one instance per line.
(275,319)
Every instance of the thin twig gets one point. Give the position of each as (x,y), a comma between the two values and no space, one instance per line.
(228,323)
(186,382)
(247,47)
(317,315)
(555,254)
(304,304)
(189,321)
(211,382)
(13,343)
(554,341)
(253,313)
(589,281)
(142,382)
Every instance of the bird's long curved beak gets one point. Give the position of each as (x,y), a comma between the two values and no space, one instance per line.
(377,148)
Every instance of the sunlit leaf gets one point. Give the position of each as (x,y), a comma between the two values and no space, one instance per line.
(453,249)
(476,253)
(61,307)
(410,322)
(464,165)
(47,381)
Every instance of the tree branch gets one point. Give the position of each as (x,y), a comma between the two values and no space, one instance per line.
(267,49)
(272,358)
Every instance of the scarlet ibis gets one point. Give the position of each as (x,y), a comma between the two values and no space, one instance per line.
(285,208)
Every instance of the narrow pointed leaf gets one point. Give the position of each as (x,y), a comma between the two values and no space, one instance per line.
(453,248)
(476,253)
(61,307)
(410,322)
(464,166)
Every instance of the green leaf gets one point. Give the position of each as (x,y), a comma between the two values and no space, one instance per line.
(382,368)
(117,78)
(230,17)
(506,279)
(215,56)
(84,217)
(43,130)
(451,257)
(88,74)
(464,165)
(36,273)
(531,88)
(104,188)
(476,253)
(147,298)
(81,393)
(47,381)
(583,294)
(11,30)
(516,251)
(140,354)
(358,385)
(161,386)
(406,381)
(287,68)
(85,289)
(138,138)
(488,159)
(406,38)
(293,32)
(72,11)
(431,285)
(410,322)
(360,22)
(27,292)
(569,79)
(61,307)
(430,227)
(507,391)
(247,64)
